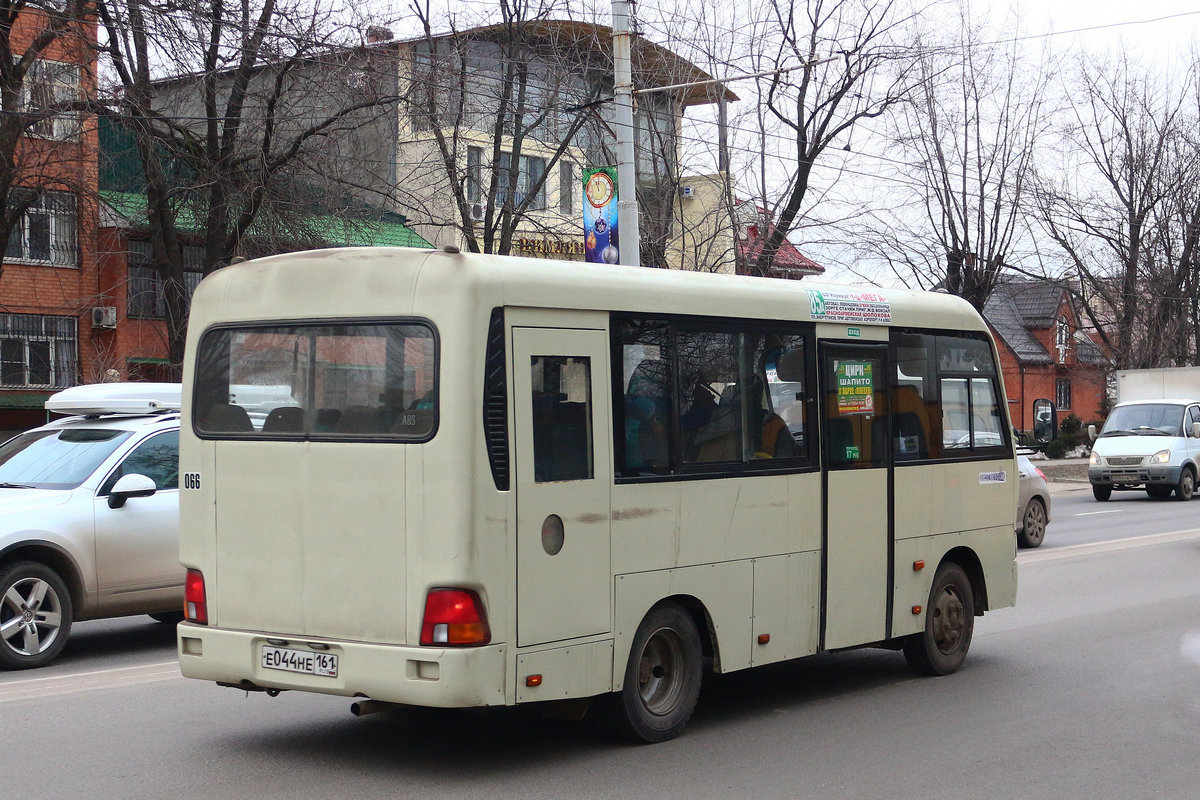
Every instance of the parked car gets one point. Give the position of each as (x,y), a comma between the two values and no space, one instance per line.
(1033,504)
(89,517)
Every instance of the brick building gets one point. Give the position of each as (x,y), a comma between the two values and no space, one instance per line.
(48,279)
(1044,352)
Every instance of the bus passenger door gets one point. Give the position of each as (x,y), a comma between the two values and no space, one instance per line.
(857,531)
(563,474)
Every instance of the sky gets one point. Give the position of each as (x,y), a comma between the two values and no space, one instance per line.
(1152,27)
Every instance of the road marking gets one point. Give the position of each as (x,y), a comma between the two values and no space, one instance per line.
(119,677)
(1091,513)
(1107,547)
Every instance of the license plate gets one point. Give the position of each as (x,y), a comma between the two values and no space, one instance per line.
(307,662)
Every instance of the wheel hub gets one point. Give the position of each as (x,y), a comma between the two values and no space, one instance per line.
(948,621)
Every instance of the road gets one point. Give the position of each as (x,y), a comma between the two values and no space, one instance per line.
(1078,519)
(1090,687)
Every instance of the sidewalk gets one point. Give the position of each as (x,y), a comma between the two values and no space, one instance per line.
(1065,474)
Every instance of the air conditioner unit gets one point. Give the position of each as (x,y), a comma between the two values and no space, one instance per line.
(477,211)
(687,191)
(104,317)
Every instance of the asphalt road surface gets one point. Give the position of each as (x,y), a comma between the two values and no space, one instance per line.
(1089,688)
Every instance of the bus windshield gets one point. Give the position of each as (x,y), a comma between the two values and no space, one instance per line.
(317,381)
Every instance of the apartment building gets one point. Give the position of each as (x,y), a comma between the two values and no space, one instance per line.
(48,276)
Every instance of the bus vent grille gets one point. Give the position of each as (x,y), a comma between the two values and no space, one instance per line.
(495,401)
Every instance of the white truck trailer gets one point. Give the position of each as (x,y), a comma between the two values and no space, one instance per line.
(1156,384)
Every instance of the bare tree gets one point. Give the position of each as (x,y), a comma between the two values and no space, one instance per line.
(1121,206)
(969,137)
(234,112)
(834,65)
(45,58)
(501,101)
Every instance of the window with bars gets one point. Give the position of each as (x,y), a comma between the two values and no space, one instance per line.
(45,232)
(1062,393)
(146,296)
(38,351)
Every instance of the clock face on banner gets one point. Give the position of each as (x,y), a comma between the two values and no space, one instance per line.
(600,215)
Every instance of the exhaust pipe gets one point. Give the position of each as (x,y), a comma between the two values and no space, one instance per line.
(364,707)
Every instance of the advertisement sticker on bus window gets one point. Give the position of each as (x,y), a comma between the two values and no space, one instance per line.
(855,388)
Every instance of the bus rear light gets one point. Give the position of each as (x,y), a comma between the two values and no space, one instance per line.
(454,617)
(195,607)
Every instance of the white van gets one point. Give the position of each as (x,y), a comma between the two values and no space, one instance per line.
(1150,444)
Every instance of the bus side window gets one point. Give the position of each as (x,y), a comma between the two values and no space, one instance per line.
(562,418)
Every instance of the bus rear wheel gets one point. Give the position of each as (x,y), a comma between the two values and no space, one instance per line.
(949,622)
(662,678)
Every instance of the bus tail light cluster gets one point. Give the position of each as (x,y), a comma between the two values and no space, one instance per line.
(195,606)
(454,617)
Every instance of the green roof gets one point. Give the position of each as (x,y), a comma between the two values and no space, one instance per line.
(367,228)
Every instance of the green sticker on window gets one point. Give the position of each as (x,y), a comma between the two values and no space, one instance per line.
(852,453)
(855,388)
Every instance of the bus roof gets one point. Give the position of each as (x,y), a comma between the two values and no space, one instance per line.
(364,282)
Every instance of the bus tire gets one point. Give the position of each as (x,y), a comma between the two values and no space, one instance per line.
(662,678)
(949,622)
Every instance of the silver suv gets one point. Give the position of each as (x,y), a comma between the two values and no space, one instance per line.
(89,517)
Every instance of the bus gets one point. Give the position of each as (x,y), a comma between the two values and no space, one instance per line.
(491,481)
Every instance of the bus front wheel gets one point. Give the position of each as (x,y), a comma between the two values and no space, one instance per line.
(949,622)
(662,678)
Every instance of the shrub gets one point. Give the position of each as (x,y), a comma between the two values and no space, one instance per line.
(1071,425)
(1056,448)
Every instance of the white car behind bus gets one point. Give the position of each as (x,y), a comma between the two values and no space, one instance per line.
(89,517)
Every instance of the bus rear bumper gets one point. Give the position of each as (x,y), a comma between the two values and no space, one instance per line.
(420,676)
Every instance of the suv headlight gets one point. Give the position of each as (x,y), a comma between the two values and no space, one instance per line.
(1161,457)
(1094,460)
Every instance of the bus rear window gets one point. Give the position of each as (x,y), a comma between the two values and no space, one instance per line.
(317,381)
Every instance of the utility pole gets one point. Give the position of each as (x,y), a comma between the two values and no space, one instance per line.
(627,207)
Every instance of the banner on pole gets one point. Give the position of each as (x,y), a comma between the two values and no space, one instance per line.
(600,215)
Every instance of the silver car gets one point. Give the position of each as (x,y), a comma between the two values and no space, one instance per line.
(1033,504)
(89,518)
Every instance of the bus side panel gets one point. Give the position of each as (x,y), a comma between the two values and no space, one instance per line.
(732,519)
(952,497)
(683,523)
(786,589)
(993,546)
(579,670)
(726,591)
